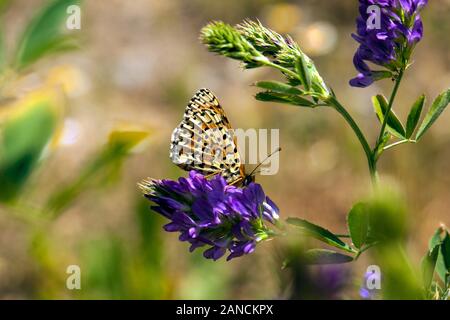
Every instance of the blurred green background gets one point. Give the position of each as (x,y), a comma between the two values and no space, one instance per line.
(70,158)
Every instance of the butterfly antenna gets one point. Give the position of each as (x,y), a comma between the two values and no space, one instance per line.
(256,172)
(259,164)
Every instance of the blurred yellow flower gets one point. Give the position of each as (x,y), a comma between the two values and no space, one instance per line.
(129,136)
(283,17)
(69,77)
(317,39)
(52,98)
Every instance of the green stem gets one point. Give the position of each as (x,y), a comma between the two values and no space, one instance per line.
(283,69)
(398,143)
(362,139)
(333,101)
(362,250)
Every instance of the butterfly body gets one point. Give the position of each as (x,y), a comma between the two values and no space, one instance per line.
(204,141)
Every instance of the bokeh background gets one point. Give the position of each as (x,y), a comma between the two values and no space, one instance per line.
(137,65)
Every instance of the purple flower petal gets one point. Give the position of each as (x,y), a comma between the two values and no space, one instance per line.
(387,46)
(214,253)
(361,81)
(213,214)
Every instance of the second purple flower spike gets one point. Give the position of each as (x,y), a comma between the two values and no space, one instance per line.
(387,31)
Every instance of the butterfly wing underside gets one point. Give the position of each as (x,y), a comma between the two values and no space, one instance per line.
(204,140)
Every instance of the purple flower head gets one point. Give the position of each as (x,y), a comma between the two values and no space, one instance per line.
(211,213)
(330,280)
(369,293)
(387,31)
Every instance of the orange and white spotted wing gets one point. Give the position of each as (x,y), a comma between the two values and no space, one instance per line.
(204,140)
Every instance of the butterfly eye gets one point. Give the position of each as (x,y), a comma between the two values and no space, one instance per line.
(248,179)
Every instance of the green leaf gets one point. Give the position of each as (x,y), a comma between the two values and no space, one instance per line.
(445,251)
(428,266)
(278,87)
(358,224)
(25,131)
(436,239)
(387,216)
(384,141)
(319,233)
(268,96)
(45,34)
(433,114)
(226,40)
(414,116)
(301,67)
(394,125)
(324,256)
(440,267)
